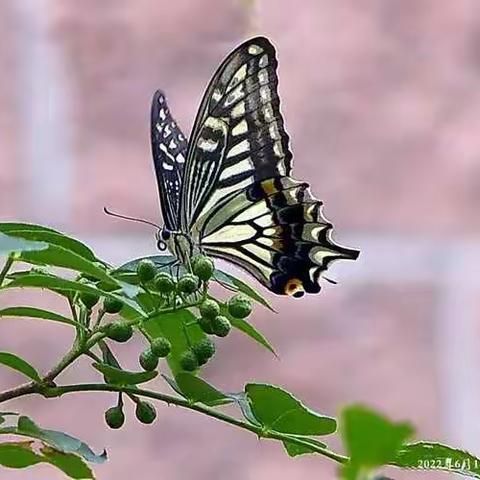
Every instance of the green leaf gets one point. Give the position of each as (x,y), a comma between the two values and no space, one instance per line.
(19,364)
(370,439)
(278,410)
(59,285)
(18,455)
(58,256)
(251,331)
(48,235)
(10,245)
(32,312)
(198,390)
(60,441)
(124,377)
(174,326)
(435,456)
(70,464)
(294,449)
(238,285)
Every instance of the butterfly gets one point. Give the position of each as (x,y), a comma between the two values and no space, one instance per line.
(227,191)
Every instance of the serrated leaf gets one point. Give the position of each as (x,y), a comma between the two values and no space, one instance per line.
(278,410)
(48,235)
(435,456)
(173,327)
(32,312)
(10,245)
(240,286)
(124,377)
(198,390)
(371,440)
(59,285)
(295,449)
(19,364)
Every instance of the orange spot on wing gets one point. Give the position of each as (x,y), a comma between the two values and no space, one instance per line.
(294,287)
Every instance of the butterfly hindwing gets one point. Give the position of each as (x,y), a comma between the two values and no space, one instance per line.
(276,231)
(238,136)
(169,149)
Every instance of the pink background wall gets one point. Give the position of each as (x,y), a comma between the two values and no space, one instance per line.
(382,101)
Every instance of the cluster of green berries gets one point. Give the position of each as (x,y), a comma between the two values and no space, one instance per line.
(159,348)
(144,411)
(164,283)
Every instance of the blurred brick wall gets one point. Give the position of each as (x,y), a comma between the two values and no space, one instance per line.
(381,100)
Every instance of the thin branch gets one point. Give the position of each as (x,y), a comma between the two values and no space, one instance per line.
(180,402)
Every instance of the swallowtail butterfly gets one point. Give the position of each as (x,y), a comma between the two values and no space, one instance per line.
(228,192)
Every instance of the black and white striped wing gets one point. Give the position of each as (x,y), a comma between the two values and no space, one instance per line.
(238,136)
(169,149)
(238,201)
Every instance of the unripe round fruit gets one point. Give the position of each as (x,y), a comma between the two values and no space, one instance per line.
(119,331)
(188,361)
(114,417)
(146,270)
(148,360)
(204,350)
(145,412)
(206,325)
(164,283)
(188,283)
(89,299)
(112,305)
(221,326)
(161,347)
(239,306)
(209,309)
(203,267)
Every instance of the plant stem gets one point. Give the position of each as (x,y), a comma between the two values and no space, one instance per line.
(180,402)
(6,268)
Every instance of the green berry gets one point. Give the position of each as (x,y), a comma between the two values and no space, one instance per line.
(203,267)
(209,309)
(239,306)
(119,331)
(145,412)
(206,325)
(188,361)
(161,347)
(221,326)
(148,360)
(112,305)
(89,299)
(164,283)
(115,417)
(203,350)
(146,270)
(188,283)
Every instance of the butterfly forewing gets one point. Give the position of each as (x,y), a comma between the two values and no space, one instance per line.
(238,137)
(169,149)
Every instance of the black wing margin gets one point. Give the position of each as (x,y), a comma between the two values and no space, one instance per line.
(169,150)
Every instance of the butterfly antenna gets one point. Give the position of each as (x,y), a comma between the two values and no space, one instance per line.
(133,219)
